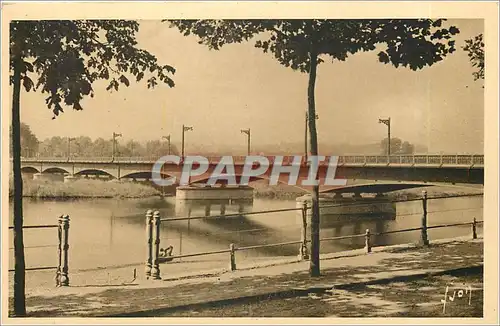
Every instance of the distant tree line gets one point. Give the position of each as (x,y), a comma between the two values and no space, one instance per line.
(84,146)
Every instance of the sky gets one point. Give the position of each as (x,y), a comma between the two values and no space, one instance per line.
(219,93)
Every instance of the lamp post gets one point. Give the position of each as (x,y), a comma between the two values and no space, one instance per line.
(247,132)
(115,135)
(168,139)
(306,133)
(387,122)
(184,129)
(69,147)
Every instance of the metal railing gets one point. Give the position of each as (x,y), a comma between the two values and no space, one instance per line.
(62,278)
(437,160)
(154,220)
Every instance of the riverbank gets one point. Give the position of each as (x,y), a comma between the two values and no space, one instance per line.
(93,189)
(291,192)
(85,189)
(349,277)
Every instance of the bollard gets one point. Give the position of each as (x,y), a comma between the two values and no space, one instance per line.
(64,227)
(149,239)
(155,271)
(232,257)
(474,230)
(303,254)
(368,246)
(59,252)
(424,239)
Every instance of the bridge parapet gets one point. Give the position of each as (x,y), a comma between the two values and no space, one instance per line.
(456,160)
(453,160)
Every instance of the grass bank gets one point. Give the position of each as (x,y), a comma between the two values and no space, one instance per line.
(84,188)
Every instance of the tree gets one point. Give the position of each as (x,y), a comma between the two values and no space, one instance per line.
(475,50)
(82,147)
(398,147)
(29,142)
(303,44)
(407,148)
(63,58)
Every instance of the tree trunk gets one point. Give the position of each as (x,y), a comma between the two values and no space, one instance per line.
(19,264)
(314,269)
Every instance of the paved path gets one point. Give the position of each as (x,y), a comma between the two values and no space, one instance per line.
(354,266)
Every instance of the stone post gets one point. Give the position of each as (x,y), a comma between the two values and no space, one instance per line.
(424,239)
(149,242)
(59,252)
(64,229)
(232,257)
(303,254)
(155,271)
(368,246)
(474,230)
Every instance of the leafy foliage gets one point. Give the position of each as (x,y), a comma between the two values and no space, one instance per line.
(413,43)
(475,50)
(29,141)
(63,58)
(398,147)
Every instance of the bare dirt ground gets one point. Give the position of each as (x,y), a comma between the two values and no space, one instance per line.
(152,298)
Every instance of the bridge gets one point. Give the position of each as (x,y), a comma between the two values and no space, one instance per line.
(410,170)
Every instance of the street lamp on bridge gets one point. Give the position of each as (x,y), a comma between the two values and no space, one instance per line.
(184,129)
(69,147)
(387,122)
(115,135)
(247,132)
(306,132)
(168,140)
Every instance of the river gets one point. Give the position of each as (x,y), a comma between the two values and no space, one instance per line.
(108,232)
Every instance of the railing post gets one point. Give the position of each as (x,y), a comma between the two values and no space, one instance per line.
(303,254)
(149,242)
(232,258)
(64,229)
(368,246)
(424,239)
(59,252)
(474,230)
(155,270)
(441,159)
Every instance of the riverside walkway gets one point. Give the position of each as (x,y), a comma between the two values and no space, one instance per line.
(188,294)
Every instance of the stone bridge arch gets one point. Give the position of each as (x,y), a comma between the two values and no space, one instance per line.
(94,172)
(29,170)
(55,170)
(144,175)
